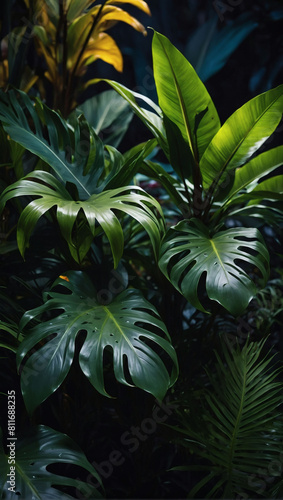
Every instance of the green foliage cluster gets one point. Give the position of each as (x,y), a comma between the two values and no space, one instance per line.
(187,262)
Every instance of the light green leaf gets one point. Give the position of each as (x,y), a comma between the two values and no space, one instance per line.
(256,168)
(188,253)
(241,136)
(129,326)
(182,96)
(98,210)
(270,188)
(37,449)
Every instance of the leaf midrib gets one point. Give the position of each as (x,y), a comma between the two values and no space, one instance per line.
(182,104)
(112,318)
(219,258)
(237,425)
(27,481)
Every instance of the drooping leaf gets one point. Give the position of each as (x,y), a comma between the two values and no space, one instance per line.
(67,151)
(188,253)
(98,209)
(35,450)
(241,136)
(182,96)
(127,327)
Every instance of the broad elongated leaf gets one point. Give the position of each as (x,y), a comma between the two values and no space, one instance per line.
(71,154)
(35,450)
(241,430)
(241,136)
(182,96)
(259,166)
(153,120)
(98,209)
(189,253)
(127,327)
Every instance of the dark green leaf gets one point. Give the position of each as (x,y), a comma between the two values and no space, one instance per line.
(35,450)
(125,326)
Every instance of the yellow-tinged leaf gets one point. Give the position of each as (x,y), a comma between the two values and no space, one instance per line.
(76,8)
(110,14)
(50,61)
(28,80)
(4,73)
(105,48)
(140,4)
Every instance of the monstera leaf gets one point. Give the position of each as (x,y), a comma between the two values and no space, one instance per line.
(35,450)
(75,153)
(131,200)
(128,328)
(188,253)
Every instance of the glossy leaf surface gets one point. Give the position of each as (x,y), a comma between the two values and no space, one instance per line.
(98,209)
(241,136)
(182,96)
(189,253)
(75,155)
(126,328)
(35,451)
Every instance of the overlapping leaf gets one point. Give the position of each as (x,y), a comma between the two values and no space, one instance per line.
(75,155)
(98,210)
(241,136)
(188,253)
(127,327)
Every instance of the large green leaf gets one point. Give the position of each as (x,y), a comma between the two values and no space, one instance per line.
(75,153)
(241,136)
(37,449)
(98,209)
(128,328)
(182,96)
(240,426)
(188,253)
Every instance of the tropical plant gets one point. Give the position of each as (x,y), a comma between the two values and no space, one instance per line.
(106,257)
(218,176)
(240,432)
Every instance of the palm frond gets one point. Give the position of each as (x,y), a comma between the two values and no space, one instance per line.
(241,432)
